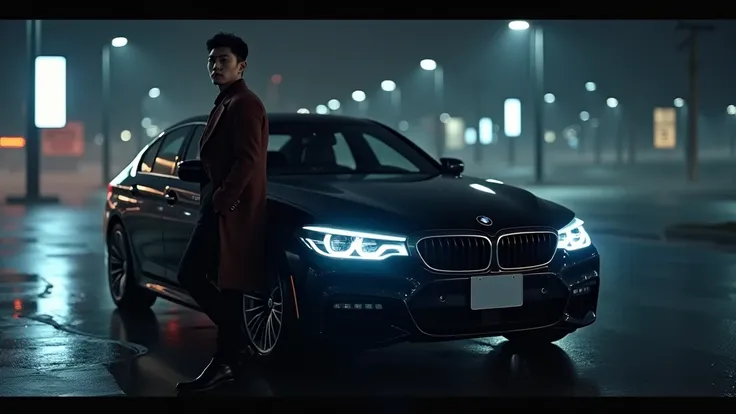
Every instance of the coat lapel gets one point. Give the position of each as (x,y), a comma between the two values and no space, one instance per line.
(211,124)
(222,100)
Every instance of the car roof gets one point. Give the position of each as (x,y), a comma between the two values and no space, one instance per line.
(276,118)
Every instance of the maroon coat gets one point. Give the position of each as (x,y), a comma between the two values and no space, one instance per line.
(233,151)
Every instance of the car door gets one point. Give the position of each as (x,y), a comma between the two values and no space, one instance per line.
(162,176)
(141,224)
(183,210)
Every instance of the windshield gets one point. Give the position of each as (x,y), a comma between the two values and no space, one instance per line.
(342,147)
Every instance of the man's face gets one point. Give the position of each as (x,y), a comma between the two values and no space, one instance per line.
(224,67)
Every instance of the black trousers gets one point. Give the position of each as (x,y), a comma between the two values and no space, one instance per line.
(197,273)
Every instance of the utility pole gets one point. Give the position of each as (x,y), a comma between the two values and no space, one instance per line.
(478,99)
(631,132)
(33,135)
(619,135)
(691,42)
(538,77)
(597,142)
(511,147)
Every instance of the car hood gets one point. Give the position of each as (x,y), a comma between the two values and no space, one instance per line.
(405,204)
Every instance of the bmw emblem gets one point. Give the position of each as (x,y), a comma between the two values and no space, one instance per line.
(484,221)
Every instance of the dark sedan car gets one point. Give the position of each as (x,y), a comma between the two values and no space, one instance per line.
(371,241)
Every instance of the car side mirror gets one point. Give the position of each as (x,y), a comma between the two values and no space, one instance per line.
(191,171)
(452,166)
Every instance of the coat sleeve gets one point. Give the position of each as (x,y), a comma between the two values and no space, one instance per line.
(246,122)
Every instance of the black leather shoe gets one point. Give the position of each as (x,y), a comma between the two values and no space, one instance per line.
(215,374)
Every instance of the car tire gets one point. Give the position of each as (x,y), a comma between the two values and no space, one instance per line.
(121,280)
(537,337)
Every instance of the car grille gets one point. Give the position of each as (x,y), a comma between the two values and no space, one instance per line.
(455,253)
(524,250)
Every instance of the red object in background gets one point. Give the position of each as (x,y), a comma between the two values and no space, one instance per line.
(63,142)
(276,79)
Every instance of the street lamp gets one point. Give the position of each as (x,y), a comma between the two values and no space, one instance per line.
(549,98)
(679,102)
(428,64)
(518,25)
(116,42)
(302,111)
(537,69)
(388,85)
(731,109)
(590,86)
(612,102)
(154,93)
(358,96)
(119,42)
(321,109)
(125,135)
(333,104)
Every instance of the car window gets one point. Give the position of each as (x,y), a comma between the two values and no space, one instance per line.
(343,155)
(149,156)
(276,142)
(343,148)
(387,156)
(167,156)
(193,149)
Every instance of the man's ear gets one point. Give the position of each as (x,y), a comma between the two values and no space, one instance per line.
(242,65)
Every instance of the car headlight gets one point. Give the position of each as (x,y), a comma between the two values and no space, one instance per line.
(348,244)
(573,236)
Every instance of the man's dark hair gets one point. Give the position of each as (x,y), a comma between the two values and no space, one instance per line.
(236,44)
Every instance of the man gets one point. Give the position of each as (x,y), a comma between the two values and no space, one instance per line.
(228,241)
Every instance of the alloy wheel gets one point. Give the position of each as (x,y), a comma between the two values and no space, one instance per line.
(263,317)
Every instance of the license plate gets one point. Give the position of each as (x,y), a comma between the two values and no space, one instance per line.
(496,292)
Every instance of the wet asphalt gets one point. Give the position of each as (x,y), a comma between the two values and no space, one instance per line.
(667,319)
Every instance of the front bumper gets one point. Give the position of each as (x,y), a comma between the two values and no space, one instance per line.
(379,303)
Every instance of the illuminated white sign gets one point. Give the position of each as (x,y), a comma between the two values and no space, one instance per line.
(454,133)
(471,136)
(485,131)
(50,97)
(512,117)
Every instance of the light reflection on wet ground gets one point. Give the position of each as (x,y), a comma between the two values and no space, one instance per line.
(667,327)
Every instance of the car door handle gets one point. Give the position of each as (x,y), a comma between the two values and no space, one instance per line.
(134,189)
(171,197)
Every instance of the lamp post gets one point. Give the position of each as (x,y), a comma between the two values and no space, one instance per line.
(537,69)
(105,124)
(731,111)
(430,65)
(359,97)
(394,92)
(614,104)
